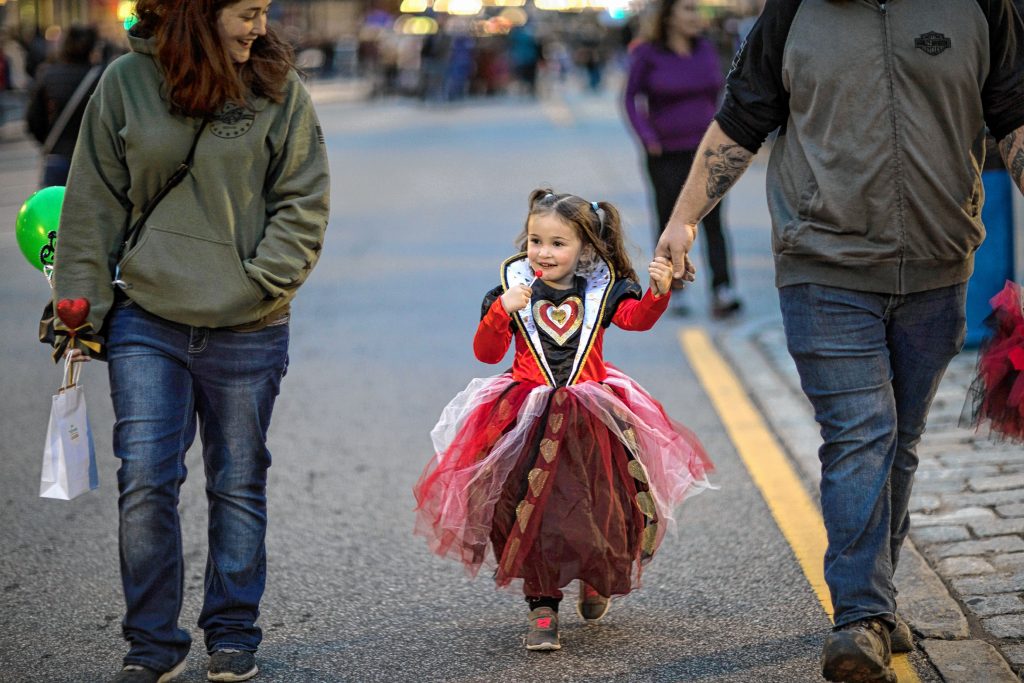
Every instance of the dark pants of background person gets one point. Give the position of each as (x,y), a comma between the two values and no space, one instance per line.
(166,380)
(667,173)
(870,365)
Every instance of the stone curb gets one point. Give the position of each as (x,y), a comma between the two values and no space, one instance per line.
(925,602)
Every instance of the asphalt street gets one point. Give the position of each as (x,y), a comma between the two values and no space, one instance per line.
(427,202)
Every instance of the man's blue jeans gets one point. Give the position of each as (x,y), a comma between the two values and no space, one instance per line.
(870,364)
(166,378)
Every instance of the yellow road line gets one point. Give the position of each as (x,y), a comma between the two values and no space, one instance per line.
(795,513)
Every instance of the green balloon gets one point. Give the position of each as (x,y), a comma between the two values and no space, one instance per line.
(37,223)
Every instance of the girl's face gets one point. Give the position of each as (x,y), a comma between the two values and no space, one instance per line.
(684,19)
(239,25)
(553,247)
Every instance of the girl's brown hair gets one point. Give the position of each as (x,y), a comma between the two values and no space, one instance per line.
(201,77)
(597,224)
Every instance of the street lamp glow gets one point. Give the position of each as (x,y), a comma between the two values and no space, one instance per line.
(125,9)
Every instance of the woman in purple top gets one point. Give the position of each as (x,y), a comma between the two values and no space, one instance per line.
(671,96)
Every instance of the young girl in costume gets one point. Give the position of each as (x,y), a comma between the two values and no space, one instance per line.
(562,468)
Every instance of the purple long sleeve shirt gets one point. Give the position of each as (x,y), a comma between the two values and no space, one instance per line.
(672,98)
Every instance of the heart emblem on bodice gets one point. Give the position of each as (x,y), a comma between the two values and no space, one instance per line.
(559,322)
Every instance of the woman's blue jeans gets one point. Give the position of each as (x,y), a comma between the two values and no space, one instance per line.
(870,365)
(166,380)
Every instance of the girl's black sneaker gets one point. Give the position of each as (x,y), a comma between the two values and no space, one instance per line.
(232,665)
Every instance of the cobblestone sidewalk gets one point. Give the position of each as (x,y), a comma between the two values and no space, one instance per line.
(967,512)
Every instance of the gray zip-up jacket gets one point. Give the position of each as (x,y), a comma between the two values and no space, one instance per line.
(874,182)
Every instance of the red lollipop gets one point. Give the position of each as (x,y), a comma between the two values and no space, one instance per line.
(73,312)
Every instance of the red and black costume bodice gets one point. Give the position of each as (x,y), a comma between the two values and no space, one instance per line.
(562,331)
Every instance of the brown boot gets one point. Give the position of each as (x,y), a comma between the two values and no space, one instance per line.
(859,652)
(901,637)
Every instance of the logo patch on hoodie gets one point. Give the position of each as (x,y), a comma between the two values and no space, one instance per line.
(232,121)
(933,43)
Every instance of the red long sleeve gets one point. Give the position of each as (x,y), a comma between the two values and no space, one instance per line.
(640,315)
(493,335)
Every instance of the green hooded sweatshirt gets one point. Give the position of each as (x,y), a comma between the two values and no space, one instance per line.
(229,245)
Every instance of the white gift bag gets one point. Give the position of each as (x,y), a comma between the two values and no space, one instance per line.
(69,460)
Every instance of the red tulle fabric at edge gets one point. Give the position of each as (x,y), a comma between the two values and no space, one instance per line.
(996,396)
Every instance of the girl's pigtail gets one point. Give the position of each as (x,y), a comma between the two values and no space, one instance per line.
(537,195)
(613,248)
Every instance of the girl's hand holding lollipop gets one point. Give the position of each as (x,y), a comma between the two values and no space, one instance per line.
(517,298)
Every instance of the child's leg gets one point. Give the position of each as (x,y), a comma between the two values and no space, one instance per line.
(536,602)
(537,596)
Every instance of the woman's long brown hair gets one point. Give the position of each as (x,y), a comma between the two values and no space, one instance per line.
(200,75)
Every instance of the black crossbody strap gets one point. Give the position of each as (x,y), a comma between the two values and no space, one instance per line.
(131,236)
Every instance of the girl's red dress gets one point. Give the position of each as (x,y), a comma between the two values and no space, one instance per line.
(996,397)
(562,468)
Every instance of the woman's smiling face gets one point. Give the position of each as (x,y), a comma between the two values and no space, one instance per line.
(239,25)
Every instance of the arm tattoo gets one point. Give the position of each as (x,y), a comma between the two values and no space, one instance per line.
(724,166)
(1017,166)
(1014,159)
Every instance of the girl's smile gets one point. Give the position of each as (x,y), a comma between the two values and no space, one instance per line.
(553,247)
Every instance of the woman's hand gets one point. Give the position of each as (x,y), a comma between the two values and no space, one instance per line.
(77,356)
(516,299)
(660,270)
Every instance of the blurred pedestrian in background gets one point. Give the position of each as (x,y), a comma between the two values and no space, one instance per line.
(875,193)
(58,98)
(672,93)
(37,51)
(197,333)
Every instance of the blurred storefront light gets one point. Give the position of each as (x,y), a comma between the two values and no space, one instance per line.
(466,8)
(415,26)
(414,6)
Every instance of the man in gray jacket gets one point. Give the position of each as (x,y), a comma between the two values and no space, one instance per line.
(874,188)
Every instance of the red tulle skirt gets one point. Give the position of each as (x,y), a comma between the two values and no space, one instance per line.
(996,396)
(551,485)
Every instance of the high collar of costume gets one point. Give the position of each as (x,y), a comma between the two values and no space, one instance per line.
(599,275)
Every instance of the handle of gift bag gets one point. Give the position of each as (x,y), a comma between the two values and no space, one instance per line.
(72,370)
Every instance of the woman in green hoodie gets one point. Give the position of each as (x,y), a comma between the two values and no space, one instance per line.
(203,274)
